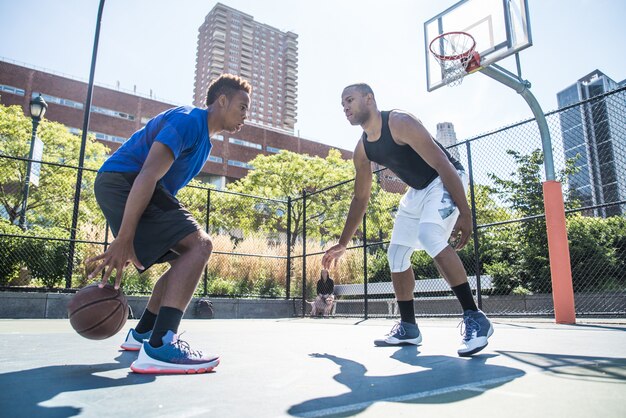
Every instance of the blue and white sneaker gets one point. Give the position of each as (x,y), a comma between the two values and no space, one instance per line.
(476,330)
(134,340)
(401,333)
(173,357)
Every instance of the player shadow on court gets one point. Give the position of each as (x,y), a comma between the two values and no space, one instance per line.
(22,392)
(438,374)
(608,369)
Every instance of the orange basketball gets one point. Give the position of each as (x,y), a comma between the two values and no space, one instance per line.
(98,313)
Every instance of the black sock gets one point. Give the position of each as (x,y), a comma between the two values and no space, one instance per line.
(407,311)
(167,320)
(146,322)
(463,293)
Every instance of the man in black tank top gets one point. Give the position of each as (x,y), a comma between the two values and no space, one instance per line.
(433,210)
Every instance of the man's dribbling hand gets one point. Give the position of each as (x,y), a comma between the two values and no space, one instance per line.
(119,255)
(461,232)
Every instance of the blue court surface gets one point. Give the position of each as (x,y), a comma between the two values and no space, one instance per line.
(322,367)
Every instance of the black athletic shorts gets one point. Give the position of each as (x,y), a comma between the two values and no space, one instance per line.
(163,224)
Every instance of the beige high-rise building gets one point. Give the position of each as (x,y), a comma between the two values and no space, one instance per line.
(230,41)
(447,137)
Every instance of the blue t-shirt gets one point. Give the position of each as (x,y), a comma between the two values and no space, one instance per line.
(184,130)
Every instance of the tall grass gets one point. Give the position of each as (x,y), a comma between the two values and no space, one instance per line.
(250,267)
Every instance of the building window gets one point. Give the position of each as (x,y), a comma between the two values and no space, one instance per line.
(12,90)
(110,138)
(215,159)
(235,163)
(243,143)
(59,101)
(272,149)
(218,137)
(110,112)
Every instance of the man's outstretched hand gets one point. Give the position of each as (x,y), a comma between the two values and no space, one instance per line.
(333,254)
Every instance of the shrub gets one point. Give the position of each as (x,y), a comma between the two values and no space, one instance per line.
(378,267)
(221,287)
(269,287)
(423,266)
(139,283)
(46,259)
(504,277)
(595,252)
(47,255)
(9,252)
(521,290)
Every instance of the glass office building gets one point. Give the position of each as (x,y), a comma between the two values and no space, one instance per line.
(594,135)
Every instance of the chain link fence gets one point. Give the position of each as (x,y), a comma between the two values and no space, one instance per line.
(249,260)
(507,260)
(273,247)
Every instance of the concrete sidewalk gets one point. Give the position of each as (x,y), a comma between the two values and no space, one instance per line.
(322,367)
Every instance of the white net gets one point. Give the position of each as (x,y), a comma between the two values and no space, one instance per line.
(453,51)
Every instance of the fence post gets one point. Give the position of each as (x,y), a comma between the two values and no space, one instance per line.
(206,229)
(288,276)
(303,252)
(477,273)
(81,157)
(365,296)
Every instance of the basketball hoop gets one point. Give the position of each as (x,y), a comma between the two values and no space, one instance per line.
(456,54)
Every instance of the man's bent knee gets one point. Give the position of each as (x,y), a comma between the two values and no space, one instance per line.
(399,257)
(198,241)
(205,245)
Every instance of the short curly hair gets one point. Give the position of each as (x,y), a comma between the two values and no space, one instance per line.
(226,84)
(362,88)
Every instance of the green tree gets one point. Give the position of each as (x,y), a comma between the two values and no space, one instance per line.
(597,252)
(9,252)
(51,202)
(523,192)
(488,210)
(194,198)
(289,174)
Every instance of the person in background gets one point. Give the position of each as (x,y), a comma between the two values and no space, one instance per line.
(323,303)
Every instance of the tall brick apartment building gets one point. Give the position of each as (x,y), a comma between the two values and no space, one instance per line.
(230,41)
(115,115)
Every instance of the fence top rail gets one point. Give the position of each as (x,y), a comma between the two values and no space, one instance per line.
(79,241)
(553,112)
(238,194)
(13,157)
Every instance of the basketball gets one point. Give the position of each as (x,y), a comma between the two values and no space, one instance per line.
(98,313)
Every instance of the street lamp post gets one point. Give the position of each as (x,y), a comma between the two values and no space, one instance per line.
(38,108)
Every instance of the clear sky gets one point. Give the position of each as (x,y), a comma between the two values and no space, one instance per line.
(151,44)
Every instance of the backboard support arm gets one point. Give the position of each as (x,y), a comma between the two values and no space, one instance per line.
(523,88)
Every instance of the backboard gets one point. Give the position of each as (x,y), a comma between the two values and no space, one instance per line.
(499,27)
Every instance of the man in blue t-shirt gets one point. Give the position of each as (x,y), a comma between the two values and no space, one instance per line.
(136,189)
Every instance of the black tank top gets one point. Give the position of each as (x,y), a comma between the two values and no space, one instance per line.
(402,159)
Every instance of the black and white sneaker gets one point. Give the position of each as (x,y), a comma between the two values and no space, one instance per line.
(401,333)
(476,330)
